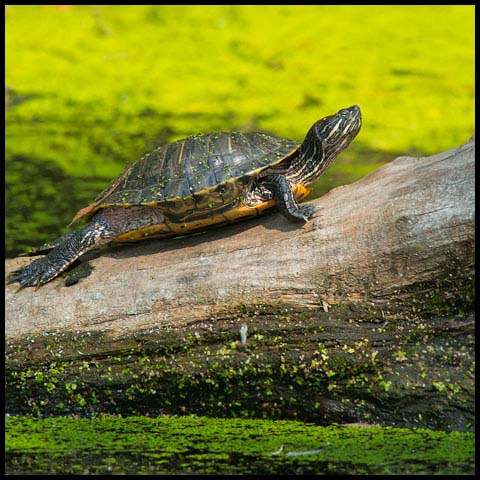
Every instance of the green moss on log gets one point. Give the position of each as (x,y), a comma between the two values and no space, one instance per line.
(294,364)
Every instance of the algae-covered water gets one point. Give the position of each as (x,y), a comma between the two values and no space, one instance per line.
(191,444)
(90,89)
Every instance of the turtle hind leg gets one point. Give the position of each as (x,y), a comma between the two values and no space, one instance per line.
(283,195)
(65,252)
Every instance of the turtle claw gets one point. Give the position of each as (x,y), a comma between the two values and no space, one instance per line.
(307,211)
(303,214)
(11,280)
(35,274)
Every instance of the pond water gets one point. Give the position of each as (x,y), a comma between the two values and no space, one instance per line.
(201,445)
(91,88)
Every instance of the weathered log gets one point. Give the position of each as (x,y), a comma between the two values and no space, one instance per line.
(360,314)
(408,222)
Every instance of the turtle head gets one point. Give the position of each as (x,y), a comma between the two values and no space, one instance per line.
(325,140)
(337,131)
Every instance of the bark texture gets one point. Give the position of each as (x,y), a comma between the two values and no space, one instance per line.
(367,306)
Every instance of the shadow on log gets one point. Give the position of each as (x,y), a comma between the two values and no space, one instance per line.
(363,314)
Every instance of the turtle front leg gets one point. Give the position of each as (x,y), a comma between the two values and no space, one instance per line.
(283,195)
(64,253)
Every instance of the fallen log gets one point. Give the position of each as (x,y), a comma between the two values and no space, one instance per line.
(362,314)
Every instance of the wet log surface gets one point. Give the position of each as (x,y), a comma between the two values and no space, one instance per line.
(362,314)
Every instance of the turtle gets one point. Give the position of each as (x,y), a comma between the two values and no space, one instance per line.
(203,180)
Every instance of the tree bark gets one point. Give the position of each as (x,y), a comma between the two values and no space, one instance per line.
(365,310)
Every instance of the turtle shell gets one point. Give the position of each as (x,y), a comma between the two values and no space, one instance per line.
(194,177)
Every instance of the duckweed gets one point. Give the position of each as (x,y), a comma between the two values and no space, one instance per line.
(91,88)
(195,444)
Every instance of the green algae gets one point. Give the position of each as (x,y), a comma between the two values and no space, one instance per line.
(90,89)
(192,444)
(312,366)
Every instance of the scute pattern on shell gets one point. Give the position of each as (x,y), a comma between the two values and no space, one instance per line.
(200,172)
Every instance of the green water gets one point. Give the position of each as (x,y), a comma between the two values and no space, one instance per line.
(92,88)
(191,444)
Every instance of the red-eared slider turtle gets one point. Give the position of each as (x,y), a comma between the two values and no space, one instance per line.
(199,181)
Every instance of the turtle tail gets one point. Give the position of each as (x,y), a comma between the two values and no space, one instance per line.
(48,247)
